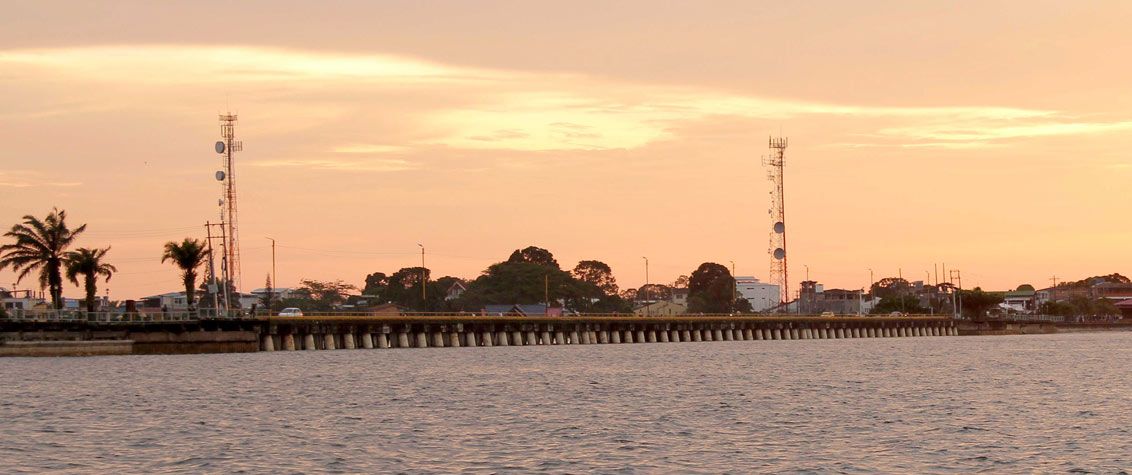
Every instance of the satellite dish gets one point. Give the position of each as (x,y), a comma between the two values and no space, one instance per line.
(219,175)
(780,254)
(779,227)
(219,147)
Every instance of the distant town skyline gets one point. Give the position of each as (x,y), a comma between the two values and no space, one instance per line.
(991,138)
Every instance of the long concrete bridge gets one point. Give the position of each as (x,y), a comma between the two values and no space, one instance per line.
(441,331)
(49,335)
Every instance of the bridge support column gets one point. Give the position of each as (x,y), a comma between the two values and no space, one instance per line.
(685,335)
(639,337)
(308,341)
(367,341)
(348,341)
(502,339)
(574,339)
(716,335)
(729,335)
(593,337)
(268,343)
(757,333)
(382,341)
(546,338)
(437,340)
(403,340)
(674,336)
(747,336)
(662,336)
(776,334)
(470,339)
(289,342)
(422,340)
(517,338)
(454,339)
(697,335)
(328,340)
(487,338)
(651,336)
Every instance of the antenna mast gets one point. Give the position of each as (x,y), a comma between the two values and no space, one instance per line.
(226,147)
(774,164)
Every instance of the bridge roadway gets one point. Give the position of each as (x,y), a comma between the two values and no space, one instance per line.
(328,332)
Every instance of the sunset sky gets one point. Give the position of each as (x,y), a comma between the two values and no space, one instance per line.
(992,136)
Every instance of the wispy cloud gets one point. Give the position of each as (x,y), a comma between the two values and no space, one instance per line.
(181,64)
(31,179)
(488,109)
(370,149)
(366,165)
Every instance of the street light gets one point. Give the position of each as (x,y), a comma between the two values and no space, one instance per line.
(424,278)
(274,279)
(734,284)
(647,292)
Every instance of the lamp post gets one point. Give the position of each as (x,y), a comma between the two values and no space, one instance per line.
(274,279)
(424,279)
(647,292)
(734,285)
(809,293)
(870,290)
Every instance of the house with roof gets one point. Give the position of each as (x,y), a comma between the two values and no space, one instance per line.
(662,307)
(522,310)
(1024,299)
(455,291)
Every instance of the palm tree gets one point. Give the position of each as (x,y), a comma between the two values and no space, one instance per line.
(188,256)
(88,263)
(40,246)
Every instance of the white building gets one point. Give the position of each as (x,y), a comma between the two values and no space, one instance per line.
(761,295)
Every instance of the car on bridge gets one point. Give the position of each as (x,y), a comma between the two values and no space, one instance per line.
(291,312)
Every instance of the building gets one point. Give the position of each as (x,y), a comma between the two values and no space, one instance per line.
(761,295)
(679,296)
(1022,300)
(455,291)
(170,301)
(814,299)
(521,310)
(663,307)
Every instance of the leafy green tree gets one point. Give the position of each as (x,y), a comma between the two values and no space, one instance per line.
(188,255)
(316,295)
(891,287)
(40,245)
(533,255)
(90,264)
(519,283)
(654,292)
(710,289)
(375,285)
(976,303)
(597,273)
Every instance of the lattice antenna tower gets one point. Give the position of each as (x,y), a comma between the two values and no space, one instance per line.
(774,163)
(228,209)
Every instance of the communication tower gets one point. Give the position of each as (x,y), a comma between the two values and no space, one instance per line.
(774,164)
(230,263)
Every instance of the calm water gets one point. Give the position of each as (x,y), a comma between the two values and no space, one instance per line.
(1055,403)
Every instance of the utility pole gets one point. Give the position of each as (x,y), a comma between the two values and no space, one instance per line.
(546,290)
(274,279)
(648,297)
(734,284)
(1053,290)
(424,279)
